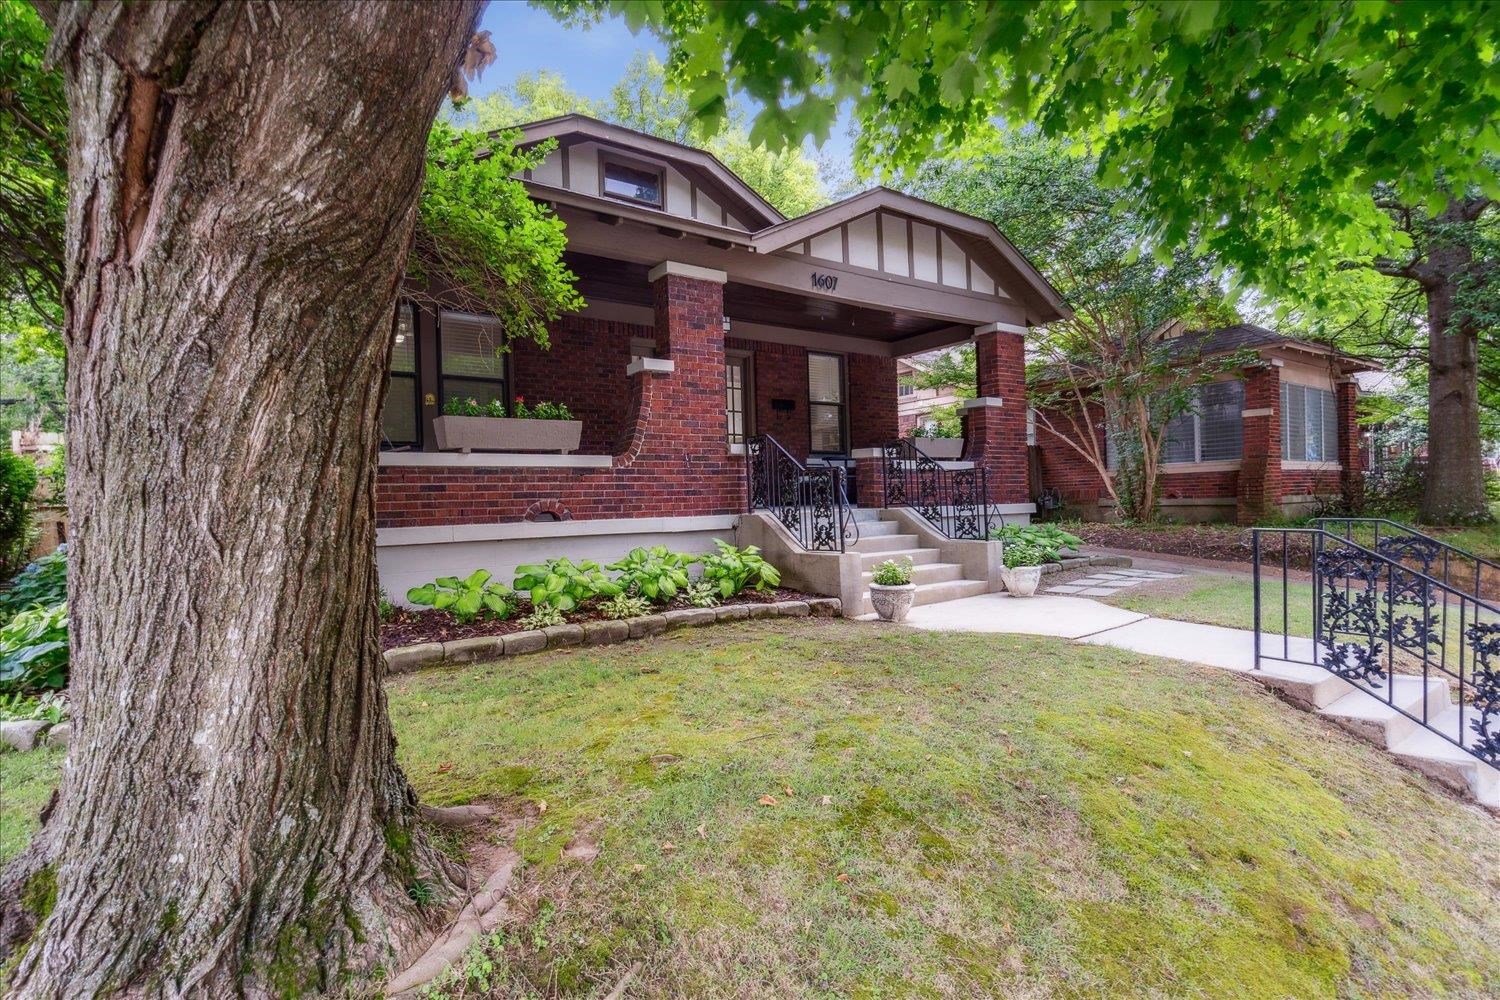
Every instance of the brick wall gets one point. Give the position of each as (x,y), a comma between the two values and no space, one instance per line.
(779,371)
(585,368)
(670,455)
(872,400)
(1062,467)
(995,436)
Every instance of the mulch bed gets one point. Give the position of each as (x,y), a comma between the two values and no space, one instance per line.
(411,625)
(1220,542)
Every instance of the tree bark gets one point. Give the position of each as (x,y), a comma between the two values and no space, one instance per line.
(231,818)
(1454,487)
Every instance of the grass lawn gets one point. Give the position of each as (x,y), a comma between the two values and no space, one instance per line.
(824,808)
(26,781)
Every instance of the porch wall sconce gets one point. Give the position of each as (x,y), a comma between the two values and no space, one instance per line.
(726,323)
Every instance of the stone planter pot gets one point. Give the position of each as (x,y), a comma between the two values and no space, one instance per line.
(942,449)
(1021,581)
(468,434)
(893,603)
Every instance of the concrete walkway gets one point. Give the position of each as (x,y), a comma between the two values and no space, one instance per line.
(1383,716)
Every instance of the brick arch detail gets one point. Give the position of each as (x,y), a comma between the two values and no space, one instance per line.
(554,507)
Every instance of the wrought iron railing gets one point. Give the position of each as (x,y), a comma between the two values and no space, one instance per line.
(811,503)
(954,501)
(1465,571)
(1369,618)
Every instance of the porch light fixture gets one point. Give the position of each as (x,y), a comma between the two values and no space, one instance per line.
(726,324)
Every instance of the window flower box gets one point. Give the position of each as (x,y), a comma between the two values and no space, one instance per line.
(466,434)
(942,449)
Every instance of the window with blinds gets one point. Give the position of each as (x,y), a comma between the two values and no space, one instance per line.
(1309,424)
(825,410)
(469,362)
(399,421)
(1211,430)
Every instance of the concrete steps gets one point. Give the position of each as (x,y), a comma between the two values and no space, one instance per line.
(937,593)
(891,542)
(1391,721)
(869,560)
(936,581)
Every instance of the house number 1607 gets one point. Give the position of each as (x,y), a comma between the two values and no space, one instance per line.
(826,282)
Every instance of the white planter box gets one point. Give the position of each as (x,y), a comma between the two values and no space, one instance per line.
(946,449)
(506,434)
(892,603)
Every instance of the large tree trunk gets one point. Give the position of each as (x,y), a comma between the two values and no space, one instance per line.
(231,818)
(1454,488)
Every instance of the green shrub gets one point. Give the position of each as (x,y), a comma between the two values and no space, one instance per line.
(42,583)
(730,569)
(468,406)
(656,573)
(1049,539)
(34,650)
(563,584)
(1018,554)
(18,479)
(702,594)
(893,573)
(543,616)
(465,599)
(541,411)
(50,706)
(626,606)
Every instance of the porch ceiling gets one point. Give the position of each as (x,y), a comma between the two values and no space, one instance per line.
(608,280)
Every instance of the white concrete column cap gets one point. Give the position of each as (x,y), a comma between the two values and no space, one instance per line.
(1264,411)
(866,453)
(662,366)
(667,267)
(981,402)
(997,327)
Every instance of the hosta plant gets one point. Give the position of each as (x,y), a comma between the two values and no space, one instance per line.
(731,569)
(625,606)
(542,616)
(1051,540)
(702,594)
(564,584)
(43,583)
(476,594)
(34,650)
(657,573)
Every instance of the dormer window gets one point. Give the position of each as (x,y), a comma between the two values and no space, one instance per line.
(635,182)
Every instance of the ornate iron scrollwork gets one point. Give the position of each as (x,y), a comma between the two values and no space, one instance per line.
(954,501)
(1351,606)
(810,503)
(1484,642)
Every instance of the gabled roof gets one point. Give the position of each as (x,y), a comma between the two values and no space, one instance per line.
(977,236)
(1248,336)
(702,166)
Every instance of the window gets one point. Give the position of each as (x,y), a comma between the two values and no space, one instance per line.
(825,395)
(736,393)
(399,423)
(632,183)
(1211,431)
(1309,424)
(468,362)
(906,390)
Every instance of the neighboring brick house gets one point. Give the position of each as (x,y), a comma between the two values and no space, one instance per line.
(1276,437)
(914,404)
(709,318)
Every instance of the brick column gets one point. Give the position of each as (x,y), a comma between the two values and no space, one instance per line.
(873,421)
(688,411)
(1259,481)
(1351,455)
(995,423)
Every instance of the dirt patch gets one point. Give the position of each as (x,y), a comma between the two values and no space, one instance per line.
(1219,542)
(410,626)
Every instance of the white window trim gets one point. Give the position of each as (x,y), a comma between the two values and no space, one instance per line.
(1198,464)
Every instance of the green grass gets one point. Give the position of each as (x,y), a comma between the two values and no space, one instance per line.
(26,782)
(1003,817)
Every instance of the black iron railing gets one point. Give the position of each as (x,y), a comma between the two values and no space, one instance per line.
(1370,618)
(1436,558)
(954,501)
(812,504)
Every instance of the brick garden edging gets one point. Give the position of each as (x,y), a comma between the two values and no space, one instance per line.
(406,659)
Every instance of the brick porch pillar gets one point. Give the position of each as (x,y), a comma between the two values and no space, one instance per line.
(1351,455)
(1259,481)
(995,422)
(687,406)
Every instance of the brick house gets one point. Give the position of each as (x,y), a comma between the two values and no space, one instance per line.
(914,404)
(1278,436)
(711,320)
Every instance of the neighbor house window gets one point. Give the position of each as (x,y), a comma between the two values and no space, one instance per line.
(399,420)
(632,182)
(1211,430)
(825,396)
(469,362)
(736,395)
(906,390)
(1309,424)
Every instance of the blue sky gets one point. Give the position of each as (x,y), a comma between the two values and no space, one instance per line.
(591,60)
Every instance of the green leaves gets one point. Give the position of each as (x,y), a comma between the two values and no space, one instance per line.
(34,650)
(657,573)
(731,569)
(562,585)
(466,599)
